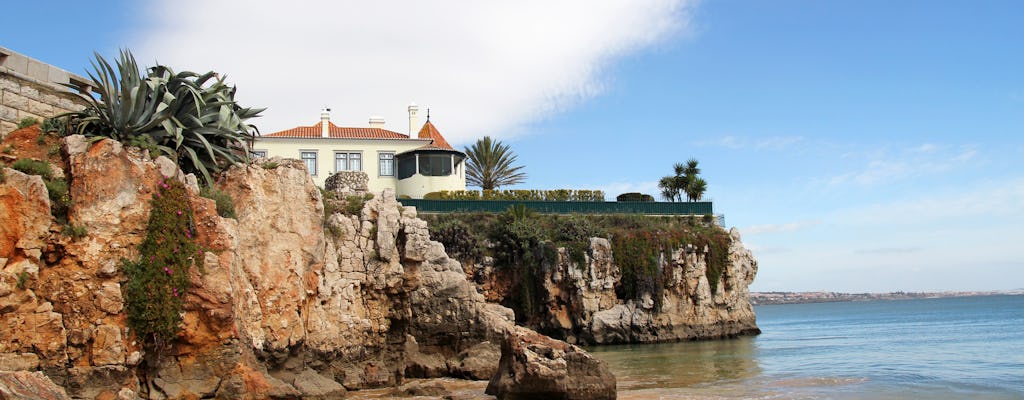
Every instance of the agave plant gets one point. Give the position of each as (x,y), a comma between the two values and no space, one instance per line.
(191,118)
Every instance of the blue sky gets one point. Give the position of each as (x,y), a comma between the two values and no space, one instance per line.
(857,145)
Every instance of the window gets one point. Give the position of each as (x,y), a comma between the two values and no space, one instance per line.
(346,161)
(259,154)
(387,164)
(435,164)
(309,157)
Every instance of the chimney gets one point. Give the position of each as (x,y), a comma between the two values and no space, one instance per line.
(377,122)
(414,121)
(325,122)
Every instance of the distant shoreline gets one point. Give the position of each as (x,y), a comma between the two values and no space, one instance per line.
(766,298)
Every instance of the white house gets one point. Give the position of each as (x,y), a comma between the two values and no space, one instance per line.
(412,166)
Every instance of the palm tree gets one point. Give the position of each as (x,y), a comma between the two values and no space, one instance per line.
(490,165)
(684,182)
(696,188)
(668,188)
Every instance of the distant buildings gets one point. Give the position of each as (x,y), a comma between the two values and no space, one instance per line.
(412,166)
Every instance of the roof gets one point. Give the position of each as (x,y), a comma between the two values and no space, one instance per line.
(337,132)
(430,132)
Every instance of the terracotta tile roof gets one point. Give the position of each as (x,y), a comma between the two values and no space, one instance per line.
(337,132)
(430,132)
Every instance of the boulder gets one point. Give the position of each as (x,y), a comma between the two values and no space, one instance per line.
(534,366)
(29,385)
(313,386)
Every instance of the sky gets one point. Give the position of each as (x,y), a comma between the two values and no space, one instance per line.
(858,146)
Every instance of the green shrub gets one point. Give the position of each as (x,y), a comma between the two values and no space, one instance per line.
(75,232)
(8,149)
(518,195)
(54,125)
(225,204)
(459,242)
(269,165)
(27,122)
(41,139)
(34,167)
(157,282)
(3,176)
(634,196)
(354,204)
(23,278)
(60,198)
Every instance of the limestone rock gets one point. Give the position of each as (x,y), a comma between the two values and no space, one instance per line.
(314,386)
(18,361)
(417,388)
(29,385)
(536,366)
(281,309)
(479,362)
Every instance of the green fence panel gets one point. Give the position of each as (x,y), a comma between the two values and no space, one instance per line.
(561,207)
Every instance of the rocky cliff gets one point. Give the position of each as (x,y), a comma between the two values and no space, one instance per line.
(582,301)
(290,303)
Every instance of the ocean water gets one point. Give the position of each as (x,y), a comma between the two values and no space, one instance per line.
(951,348)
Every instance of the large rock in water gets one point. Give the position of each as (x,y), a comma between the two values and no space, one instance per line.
(282,308)
(534,366)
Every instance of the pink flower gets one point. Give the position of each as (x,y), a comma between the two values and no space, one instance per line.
(179,212)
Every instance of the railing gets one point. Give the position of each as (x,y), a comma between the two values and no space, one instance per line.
(561,207)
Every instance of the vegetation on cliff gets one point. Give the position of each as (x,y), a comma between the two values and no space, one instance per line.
(193,119)
(524,243)
(157,282)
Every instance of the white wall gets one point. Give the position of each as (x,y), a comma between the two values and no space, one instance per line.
(415,186)
(326,148)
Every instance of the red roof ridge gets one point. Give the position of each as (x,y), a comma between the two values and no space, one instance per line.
(429,131)
(336,132)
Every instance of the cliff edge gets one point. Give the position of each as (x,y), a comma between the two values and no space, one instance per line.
(290,303)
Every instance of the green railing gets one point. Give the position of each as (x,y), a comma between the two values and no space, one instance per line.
(561,207)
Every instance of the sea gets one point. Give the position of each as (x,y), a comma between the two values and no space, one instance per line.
(943,348)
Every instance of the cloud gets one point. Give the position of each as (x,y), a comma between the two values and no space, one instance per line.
(775,143)
(777,228)
(481,67)
(923,160)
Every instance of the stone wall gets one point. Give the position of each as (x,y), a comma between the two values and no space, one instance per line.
(32,88)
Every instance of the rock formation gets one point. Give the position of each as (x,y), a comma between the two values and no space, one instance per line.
(290,303)
(581,305)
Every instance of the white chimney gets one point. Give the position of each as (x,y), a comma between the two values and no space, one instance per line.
(377,122)
(414,121)
(325,122)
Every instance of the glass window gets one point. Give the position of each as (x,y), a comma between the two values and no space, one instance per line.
(340,162)
(309,157)
(406,165)
(347,161)
(387,164)
(355,162)
(435,164)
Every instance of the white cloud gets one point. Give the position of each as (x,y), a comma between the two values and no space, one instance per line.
(481,67)
(775,143)
(924,160)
